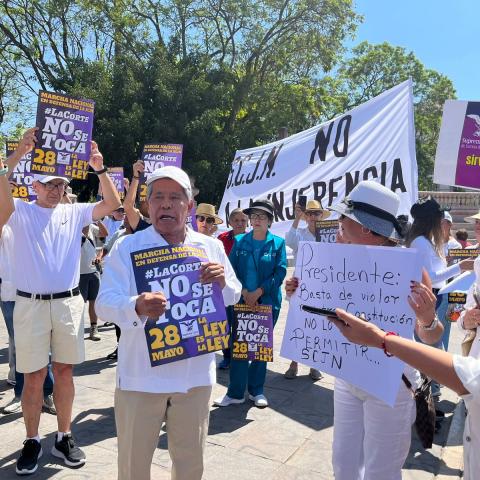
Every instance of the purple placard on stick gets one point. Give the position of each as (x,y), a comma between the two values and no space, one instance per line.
(469,149)
(253,333)
(195,322)
(21,175)
(156,155)
(65,133)
(116,174)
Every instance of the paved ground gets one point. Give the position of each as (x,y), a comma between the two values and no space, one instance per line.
(290,440)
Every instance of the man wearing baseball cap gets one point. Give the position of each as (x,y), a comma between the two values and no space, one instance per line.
(176,393)
(48,308)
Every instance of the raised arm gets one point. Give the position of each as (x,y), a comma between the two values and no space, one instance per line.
(433,362)
(132,213)
(26,145)
(111,200)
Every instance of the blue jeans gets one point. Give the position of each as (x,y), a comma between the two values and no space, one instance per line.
(7,311)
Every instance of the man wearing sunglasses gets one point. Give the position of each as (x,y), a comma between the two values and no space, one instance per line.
(312,214)
(207,220)
(48,308)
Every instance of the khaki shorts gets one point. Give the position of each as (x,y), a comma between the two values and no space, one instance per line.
(48,326)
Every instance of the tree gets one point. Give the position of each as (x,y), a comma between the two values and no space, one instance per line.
(372,69)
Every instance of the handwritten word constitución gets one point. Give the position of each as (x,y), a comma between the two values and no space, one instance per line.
(315,342)
(373,286)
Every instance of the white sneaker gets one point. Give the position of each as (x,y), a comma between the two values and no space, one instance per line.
(14,406)
(260,400)
(225,401)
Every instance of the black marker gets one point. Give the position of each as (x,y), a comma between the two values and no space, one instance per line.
(319,311)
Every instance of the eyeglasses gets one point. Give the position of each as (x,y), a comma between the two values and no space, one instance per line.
(52,186)
(258,216)
(314,214)
(202,218)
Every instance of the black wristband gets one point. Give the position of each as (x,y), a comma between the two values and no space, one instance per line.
(99,172)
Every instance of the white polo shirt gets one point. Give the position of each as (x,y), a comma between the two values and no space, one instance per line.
(47,245)
(116,301)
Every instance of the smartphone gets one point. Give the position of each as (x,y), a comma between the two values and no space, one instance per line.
(319,311)
(302,202)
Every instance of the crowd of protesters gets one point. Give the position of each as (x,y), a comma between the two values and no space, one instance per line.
(78,259)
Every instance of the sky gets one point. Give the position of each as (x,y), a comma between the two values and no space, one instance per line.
(442,34)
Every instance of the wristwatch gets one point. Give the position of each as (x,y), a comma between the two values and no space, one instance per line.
(433,325)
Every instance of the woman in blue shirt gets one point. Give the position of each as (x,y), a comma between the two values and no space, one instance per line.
(260,263)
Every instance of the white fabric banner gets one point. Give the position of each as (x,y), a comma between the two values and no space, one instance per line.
(375,141)
(373,281)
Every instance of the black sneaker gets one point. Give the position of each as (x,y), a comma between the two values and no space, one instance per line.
(66,449)
(28,461)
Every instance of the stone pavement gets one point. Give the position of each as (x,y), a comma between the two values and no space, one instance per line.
(290,440)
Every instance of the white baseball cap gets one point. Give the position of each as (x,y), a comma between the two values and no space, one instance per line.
(174,173)
(48,178)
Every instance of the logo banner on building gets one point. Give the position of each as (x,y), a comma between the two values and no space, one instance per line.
(457,161)
(374,141)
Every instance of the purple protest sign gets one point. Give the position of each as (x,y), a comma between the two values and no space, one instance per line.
(192,219)
(156,155)
(468,159)
(116,174)
(21,179)
(326,231)
(65,133)
(195,322)
(253,333)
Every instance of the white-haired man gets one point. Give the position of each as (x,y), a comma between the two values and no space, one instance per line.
(48,308)
(177,393)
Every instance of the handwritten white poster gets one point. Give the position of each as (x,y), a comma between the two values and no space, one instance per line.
(373,281)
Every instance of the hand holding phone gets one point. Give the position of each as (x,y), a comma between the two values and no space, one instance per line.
(327,312)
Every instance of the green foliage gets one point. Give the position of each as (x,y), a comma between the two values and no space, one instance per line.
(213,75)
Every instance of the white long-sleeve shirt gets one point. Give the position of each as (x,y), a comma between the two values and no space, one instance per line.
(116,303)
(468,370)
(296,235)
(435,265)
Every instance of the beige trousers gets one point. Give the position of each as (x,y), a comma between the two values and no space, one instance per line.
(139,417)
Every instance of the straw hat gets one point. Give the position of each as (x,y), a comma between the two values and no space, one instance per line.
(208,210)
(316,206)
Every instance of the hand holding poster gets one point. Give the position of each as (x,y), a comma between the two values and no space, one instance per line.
(373,281)
(157,155)
(195,321)
(253,338)
(65,133)
(21,175)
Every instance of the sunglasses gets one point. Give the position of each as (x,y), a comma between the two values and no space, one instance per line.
(313,214)
(202,218)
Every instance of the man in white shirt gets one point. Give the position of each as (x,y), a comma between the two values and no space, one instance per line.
(313,213)
(48,308)
(181,389)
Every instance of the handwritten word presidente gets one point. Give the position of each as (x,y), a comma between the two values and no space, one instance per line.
(324,191)
(344,274)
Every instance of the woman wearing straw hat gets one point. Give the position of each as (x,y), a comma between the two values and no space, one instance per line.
(314,212)
(207,219)
(260,261)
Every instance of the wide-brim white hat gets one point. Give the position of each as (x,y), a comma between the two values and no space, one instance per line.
(374,207)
